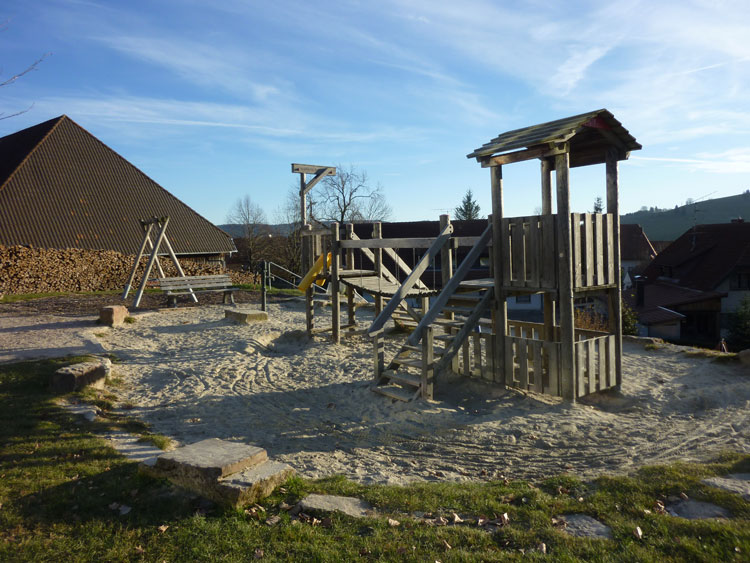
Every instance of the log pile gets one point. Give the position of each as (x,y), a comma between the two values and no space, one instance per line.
(41,270)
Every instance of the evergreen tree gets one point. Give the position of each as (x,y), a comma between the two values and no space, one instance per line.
(469,208)
(598,205)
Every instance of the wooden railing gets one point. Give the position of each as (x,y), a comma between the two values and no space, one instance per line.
(530,250)
(595,364)
(593,249)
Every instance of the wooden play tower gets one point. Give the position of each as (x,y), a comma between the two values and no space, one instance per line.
(564,256)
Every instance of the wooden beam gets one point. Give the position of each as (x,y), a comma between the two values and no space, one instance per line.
(500,313)
(519,156)
(565,280)
(335,268)
(313,169)
(615,295)
(421,242)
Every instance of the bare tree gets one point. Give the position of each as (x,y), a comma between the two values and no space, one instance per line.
(348,197)
(256,232)
(13,78)
(289,218)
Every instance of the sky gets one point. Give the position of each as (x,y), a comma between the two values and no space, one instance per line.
(215,100)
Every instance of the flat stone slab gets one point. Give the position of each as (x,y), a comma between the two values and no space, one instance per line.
(583,526)
(696,510)
(248,486)
(734,483)
(350,506)
(78,376)
(208,460)
(245,316)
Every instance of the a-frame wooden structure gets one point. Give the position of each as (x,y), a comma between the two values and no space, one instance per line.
(157,226)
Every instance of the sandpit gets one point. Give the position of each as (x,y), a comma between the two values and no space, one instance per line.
(193,374)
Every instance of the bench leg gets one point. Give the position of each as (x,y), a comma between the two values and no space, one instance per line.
(172,301)
(228,298)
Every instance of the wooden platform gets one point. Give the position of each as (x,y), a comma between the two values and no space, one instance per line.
(381,286)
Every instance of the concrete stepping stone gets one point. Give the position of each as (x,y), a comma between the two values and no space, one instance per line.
(351,506)
(77,376)
(584,526)
(734,483)
(228,473)
(249,486)
(696,510)
(245,316)
(209,460)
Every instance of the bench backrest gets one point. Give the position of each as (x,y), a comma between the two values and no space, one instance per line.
(195,282)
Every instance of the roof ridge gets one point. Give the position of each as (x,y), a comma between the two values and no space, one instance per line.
(142,173)
(58,120)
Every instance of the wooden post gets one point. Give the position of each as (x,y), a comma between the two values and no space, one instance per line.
(378,345)
(500,313)
(565,279)
(350,307)
(377,232)
(428,363)
(150,264)
(263,280)
(335,267)
(615,295)
(306,265)
(303,198)
(549,302)
(146,239)
(546,187)
(446,260)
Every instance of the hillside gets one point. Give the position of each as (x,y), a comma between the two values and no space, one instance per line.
(670,224)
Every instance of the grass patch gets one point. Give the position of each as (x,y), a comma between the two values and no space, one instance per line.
(129,320)
(651,346)
(159,440)
(63,490)
(715,355)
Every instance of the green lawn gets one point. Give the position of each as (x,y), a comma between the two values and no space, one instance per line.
(62,491)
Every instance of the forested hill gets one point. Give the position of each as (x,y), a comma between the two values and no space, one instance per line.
(668,224)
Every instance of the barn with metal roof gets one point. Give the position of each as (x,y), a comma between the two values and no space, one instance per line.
(61,187)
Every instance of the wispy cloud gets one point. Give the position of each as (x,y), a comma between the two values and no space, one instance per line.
(733,161)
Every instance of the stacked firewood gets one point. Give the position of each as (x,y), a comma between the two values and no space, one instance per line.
(40,270)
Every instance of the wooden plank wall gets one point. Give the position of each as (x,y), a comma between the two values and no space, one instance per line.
(595,364)
(532,364)
(528,251)
(593,249)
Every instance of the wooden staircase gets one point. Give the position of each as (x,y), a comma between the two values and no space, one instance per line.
(410,373)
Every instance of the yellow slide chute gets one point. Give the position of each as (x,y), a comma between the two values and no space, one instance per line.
(314,271)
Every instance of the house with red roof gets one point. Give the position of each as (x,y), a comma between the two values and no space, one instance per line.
(694,284)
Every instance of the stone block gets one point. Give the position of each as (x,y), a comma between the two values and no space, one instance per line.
(113,315)
(584,526)
(735,483)
(744,356)
(208,460)
(351,506)
(249,486)
(77,376)
(697,510)
(245,316)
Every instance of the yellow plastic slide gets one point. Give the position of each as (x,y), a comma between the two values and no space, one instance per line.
(314,271)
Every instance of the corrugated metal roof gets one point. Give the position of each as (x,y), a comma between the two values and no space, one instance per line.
(585,132)
(60,187)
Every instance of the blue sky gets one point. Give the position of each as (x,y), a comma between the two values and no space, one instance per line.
(215,100)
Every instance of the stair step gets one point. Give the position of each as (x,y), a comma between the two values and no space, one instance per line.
(444,337)
(456,309)
(404,378)
(394,392)
(411,348)
(446,322)
(459,298)
(411,362)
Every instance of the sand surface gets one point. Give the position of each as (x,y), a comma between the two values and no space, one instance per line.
(194,375)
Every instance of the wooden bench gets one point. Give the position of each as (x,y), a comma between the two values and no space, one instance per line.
(186,285)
